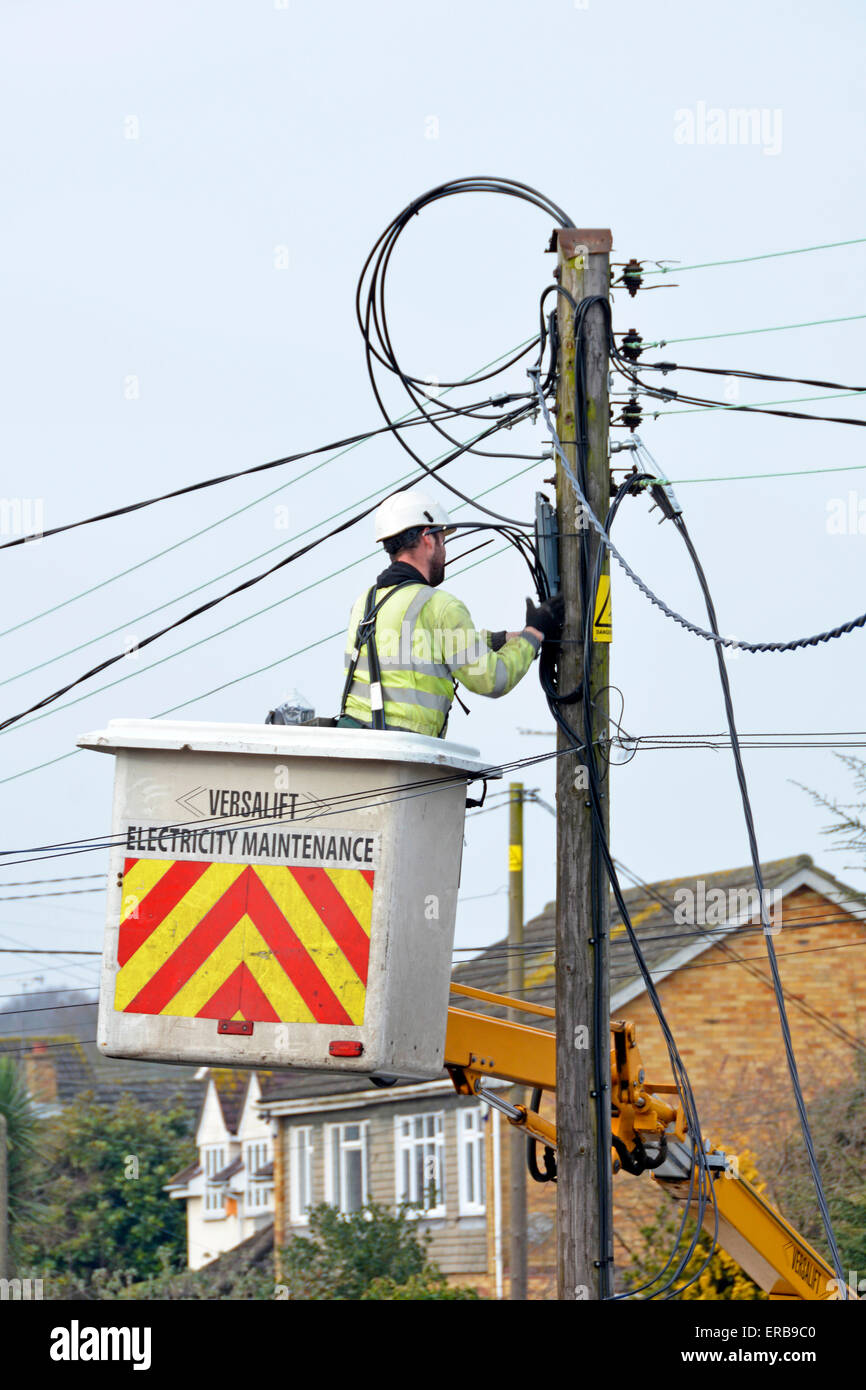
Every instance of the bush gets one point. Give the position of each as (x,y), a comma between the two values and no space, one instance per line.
(722,1279)
(106,1220)
(22,1140)
(369,1254)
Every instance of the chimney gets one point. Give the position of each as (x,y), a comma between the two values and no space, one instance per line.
(40,1074)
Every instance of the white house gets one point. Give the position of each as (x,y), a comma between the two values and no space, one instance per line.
(229,1190)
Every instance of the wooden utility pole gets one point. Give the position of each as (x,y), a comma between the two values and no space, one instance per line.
(518,1252)
(581,944)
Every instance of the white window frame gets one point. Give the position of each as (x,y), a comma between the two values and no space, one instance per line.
(335,1183)
(433,1150)
(470,1136)
(300,1162)
(214,1159)
(259,1191)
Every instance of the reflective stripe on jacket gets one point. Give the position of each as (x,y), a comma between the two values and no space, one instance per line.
(425,636)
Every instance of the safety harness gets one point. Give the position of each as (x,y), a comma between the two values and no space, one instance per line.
(365,636)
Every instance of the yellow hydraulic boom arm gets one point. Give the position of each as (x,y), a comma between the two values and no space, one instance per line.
(750,1229)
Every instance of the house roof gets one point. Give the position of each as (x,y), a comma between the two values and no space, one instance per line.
(231,1086)
(231,1089)
(662,939)
(229,1171)
(65,1056)
(296,1085)
(152,1093)
(185,1175)
(74,1071)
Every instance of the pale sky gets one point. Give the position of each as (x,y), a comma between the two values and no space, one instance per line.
(190,193)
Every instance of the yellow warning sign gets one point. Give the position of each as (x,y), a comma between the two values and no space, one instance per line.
(602,629)
(515,858)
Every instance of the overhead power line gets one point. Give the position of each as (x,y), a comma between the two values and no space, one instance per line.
(248,675)
(511,418)
(61,878)
(762,408)
(765,256)
(130,675)
(780,473)
(42,951)
(746,375)
(57,893)
(748,332)
(129,624)
(730,642)
(335,805)
(229,516)
(343,444)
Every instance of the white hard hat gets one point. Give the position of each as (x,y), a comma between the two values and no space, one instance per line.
(406,509)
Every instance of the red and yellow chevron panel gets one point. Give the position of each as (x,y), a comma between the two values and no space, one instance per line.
(256,942)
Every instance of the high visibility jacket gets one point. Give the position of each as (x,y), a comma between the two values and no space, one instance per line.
(425,639)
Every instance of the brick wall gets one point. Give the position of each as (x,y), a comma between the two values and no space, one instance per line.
(723,1016)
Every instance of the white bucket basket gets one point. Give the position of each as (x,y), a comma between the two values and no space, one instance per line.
(281,896)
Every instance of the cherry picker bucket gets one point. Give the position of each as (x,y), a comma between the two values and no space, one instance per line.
(281,896)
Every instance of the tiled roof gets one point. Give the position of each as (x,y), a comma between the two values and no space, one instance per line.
(153,1093)
(231,1088)
(75,1071)
(651,909)
(63,1055)
(229,1171)
(295,1085)
(185,1175)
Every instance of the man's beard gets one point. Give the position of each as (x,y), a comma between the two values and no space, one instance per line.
(437,572)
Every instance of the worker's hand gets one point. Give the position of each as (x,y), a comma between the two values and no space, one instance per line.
(547,618)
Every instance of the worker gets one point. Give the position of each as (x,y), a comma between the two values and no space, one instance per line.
(409,642)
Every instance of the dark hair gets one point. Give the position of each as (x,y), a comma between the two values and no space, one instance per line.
(406,540)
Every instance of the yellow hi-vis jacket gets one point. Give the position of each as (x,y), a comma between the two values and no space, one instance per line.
(425,639)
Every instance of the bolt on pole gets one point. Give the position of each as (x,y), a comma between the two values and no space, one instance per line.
(583,1131)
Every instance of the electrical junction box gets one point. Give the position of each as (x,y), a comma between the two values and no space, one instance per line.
(281,896)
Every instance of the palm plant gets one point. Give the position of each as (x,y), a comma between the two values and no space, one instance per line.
(22,1130)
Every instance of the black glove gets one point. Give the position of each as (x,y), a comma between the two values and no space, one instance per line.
(547,617)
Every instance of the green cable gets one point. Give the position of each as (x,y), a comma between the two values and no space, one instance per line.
(191,646)
(237,679)
(745,332)
(51,761)
(177,597)
(237,512)
(319,643)
(767,256)
(109,685)
(756,405)
(746,477)
(177,544)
